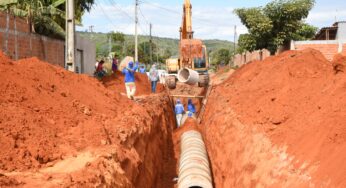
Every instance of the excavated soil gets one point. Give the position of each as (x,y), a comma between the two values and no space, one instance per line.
(115,82)
(59,129)
(280,123)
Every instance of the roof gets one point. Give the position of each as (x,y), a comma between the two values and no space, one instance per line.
(327,33)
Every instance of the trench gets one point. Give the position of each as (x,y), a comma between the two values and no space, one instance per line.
(160,150)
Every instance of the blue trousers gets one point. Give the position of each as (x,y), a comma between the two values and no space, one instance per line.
(153,86)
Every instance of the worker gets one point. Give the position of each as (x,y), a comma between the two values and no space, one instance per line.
(100,72)
(190,108)
(142,69)
(130,85)
(179,111)
(154,77)
(115,64)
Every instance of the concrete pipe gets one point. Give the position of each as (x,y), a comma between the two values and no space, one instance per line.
(188,76)
(194,168)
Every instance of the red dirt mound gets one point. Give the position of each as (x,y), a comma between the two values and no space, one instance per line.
(339,64)
(116,82)
(36,100)
(60,129)
(285,119)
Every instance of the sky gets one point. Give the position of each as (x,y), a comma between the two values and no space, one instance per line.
(212,19)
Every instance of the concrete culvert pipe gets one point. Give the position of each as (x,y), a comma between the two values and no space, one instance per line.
(194,168)
(188,76)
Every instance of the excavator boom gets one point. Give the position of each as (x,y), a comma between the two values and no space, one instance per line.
(186,26)
(192,64)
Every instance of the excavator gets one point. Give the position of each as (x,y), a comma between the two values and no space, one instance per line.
(192,65)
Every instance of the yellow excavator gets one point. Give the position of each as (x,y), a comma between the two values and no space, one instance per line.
(192,65)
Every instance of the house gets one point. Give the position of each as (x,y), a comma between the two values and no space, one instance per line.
(329,41)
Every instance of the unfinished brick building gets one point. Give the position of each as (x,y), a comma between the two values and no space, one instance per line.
(329,40)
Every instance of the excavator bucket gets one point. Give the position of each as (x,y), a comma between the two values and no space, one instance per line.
(191,48)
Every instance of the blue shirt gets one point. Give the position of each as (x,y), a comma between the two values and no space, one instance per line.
(142,70)
(179,109)
(130,73)
(191,108)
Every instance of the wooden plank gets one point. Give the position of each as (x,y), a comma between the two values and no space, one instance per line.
(187,96)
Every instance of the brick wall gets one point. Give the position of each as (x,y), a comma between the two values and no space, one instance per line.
(241,59)
(328,50)
(29,44)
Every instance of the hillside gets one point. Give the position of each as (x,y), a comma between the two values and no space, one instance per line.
(163,44)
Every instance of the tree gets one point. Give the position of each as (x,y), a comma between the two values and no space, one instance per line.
(46,17)
(117,37)
(221,57)
(275,25)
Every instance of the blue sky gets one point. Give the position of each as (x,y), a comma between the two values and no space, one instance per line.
(211,19)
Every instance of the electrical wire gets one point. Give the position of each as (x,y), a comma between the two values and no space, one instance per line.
(106,15)
(177,12)
(145,19)
(115,5)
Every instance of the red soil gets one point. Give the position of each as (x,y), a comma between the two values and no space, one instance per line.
(280,123)
(116,83)
(59,129)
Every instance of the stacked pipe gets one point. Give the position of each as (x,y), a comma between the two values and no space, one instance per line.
(194,169)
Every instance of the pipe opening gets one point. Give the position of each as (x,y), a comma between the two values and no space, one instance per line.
(184,75)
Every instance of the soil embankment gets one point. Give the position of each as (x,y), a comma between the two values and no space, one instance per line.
(280,123)
(60,129)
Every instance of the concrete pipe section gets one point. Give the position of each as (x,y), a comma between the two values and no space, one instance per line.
(194,169)
(188,76)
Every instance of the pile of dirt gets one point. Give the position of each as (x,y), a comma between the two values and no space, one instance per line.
(280,122)
(116,82)
(62,129)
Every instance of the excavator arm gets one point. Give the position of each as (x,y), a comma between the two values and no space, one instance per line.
(186,26)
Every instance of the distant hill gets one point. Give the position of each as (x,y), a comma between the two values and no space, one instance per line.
(101,41)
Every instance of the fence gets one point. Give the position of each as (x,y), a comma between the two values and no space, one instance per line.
(259,55)
(17,42)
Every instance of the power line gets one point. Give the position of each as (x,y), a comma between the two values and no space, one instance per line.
(104,13)
(177,12)
(161,7)
(115,5)
(145,19)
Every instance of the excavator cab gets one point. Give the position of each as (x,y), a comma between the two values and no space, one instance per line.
(201,63)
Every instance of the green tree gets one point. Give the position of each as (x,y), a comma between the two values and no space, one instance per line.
(222,56)
(46,17)
(275,25)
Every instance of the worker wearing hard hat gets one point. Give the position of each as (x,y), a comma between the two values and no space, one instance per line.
(130,85)
(179,111)
(191,108)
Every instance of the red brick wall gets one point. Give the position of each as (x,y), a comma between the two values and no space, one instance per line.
(344,49)
(328,50)
(28,44)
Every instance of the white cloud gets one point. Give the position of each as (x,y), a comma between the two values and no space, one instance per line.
(211,22)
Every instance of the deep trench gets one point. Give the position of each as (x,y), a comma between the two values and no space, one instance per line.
(169,162)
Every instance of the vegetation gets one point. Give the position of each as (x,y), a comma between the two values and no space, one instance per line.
(221,57)
(275,25)
(45,17)
(163,48)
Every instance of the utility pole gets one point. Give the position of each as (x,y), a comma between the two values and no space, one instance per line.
(91,29)
(136,31)
(110,43)
(151,45)
(70,36)
(235,38)
(234,44)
